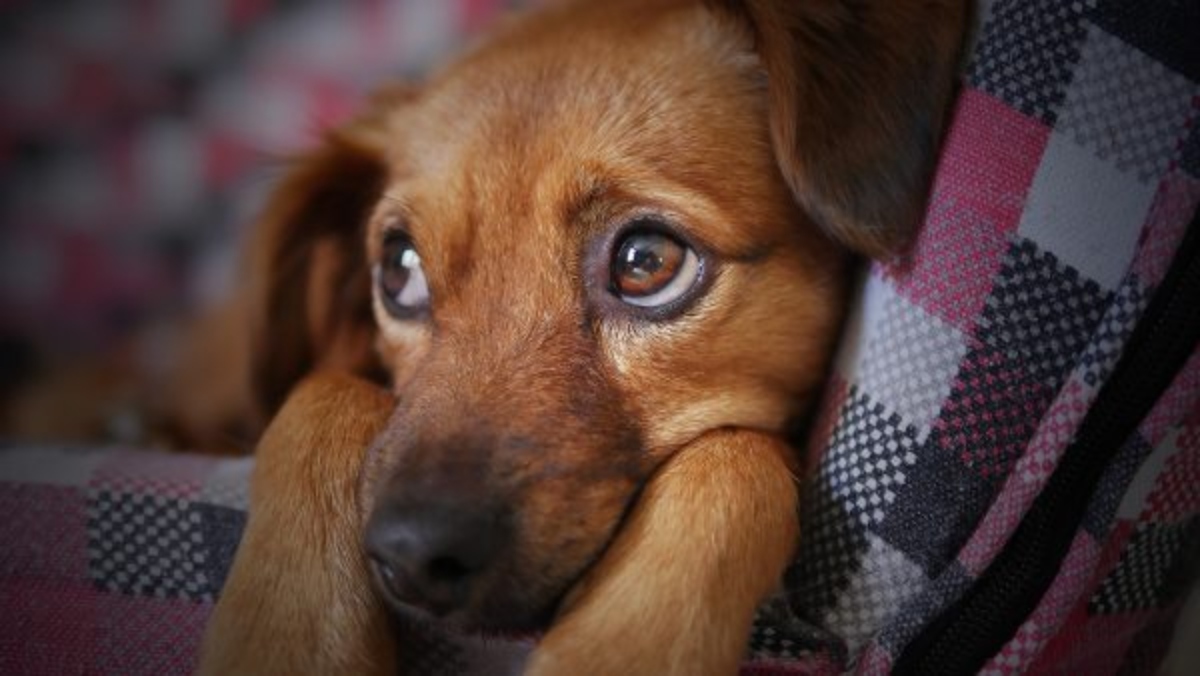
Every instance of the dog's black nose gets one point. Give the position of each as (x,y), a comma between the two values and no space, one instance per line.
(432,554)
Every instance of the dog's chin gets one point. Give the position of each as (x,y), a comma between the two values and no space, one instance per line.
(519,624)
(497,615)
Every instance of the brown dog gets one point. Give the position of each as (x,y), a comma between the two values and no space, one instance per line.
(592,260)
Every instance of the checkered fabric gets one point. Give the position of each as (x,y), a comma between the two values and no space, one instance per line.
(1070,173)
(1068,179)
(111,560)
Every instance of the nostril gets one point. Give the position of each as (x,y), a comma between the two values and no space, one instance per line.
(448,569)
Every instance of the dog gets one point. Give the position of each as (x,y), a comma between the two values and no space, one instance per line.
(545,318)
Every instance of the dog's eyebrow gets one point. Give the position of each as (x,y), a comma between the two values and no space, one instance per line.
(586,200)
(395,199)
(598,198)
(395,206)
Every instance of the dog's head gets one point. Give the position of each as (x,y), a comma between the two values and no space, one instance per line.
(606,231)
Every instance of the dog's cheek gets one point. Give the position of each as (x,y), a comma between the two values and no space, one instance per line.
(563,529)
(570,493)
(402,358)
(751,360)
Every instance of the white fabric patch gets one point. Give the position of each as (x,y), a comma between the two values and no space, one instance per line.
(1085,211)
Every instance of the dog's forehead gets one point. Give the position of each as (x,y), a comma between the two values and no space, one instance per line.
(544,112)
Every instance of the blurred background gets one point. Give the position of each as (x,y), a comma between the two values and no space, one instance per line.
(137,140)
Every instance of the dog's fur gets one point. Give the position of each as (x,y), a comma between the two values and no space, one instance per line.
(637,463)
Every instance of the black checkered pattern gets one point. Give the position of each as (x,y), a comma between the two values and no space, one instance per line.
(1026,51)
(990,415)
(1166,31)
(832,545)
(221,528)
(1125,106)
(886,580)
(937,508)
(777,634)
(1040,313)
(1114,329)
(911,619)
(910,363)
(1155,563)
(1099,516)
(148,545)
(870,453)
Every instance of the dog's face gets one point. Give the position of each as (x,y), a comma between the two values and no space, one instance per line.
(583,250)
(584,258)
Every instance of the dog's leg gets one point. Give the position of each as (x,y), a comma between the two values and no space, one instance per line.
(299,598)
(708,539)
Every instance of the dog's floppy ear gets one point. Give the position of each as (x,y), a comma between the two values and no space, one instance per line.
(311,306)
(858,91)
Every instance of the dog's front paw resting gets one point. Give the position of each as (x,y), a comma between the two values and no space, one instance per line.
(708,539)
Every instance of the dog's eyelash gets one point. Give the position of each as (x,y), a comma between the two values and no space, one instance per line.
(394,215)
(394,223)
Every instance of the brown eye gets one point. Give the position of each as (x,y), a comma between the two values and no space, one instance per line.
(651,268)
(400,278)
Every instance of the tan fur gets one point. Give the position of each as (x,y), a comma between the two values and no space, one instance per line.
(298,599)
(725,502)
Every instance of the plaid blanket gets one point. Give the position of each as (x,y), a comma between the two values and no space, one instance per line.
(1070,174)
(112,558)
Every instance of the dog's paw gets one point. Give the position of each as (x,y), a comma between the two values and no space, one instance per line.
(676,592)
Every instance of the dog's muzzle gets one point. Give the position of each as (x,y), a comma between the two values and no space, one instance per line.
(433,554)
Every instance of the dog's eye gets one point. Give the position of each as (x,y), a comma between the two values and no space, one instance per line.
(401,279)
(651,269)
